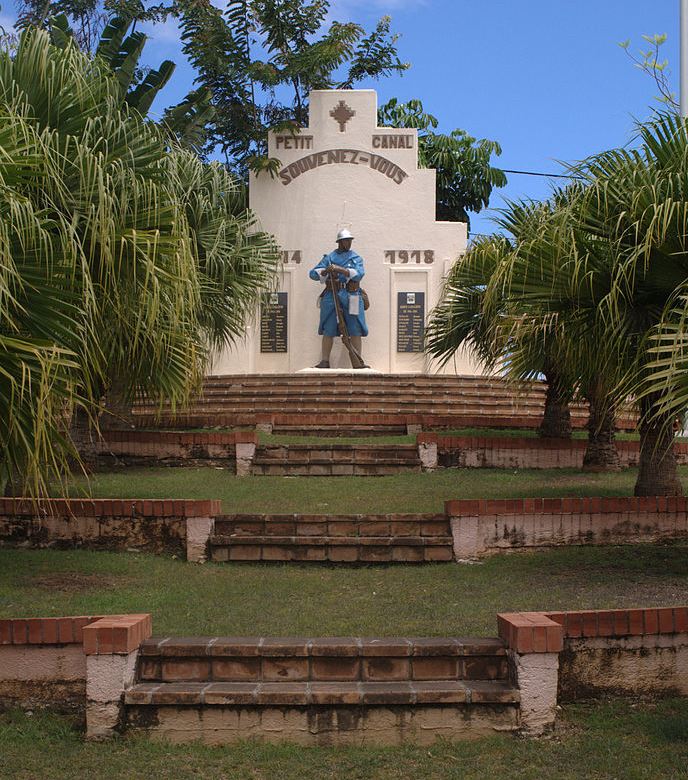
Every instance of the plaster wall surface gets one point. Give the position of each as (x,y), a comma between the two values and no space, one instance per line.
(649,665)
(340,172)
(49,676)
(151,533)
(50,662)
(394,725)
(536,675)
(487,534)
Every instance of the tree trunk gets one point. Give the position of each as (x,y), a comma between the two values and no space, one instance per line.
(657,472)
(117,414)
(601,453)
(14,485)
(84,437)
(556,420)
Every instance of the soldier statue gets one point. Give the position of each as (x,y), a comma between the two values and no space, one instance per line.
(341,271)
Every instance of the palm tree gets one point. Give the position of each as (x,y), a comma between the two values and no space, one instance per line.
(473,313)
(637,205)
(618,269)
(37,371)
(139,247)
(545,278)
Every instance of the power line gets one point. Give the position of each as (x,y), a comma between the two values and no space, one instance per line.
(546,175)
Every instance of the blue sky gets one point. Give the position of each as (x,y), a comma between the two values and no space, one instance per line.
(545,78)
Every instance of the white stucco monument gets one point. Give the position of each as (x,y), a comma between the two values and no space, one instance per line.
(343,171)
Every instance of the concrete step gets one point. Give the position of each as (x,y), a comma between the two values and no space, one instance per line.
(359,429)
(334,549)
(350,526)
(307,401)
(321,659)
(335,460)
(302,694)
(321,691)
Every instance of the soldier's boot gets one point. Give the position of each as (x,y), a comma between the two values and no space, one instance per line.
(326,349)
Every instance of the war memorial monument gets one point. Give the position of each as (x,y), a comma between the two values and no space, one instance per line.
(343,172)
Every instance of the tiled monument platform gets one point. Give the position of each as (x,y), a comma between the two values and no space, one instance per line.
(353,405)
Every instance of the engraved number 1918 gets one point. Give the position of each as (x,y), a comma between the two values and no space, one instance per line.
(403,256)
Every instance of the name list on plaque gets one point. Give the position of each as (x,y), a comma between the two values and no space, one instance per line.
(273,323)
(410,321)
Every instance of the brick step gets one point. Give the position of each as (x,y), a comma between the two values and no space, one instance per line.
(378,398)
(377,469)
(337,452)
(411,409)
(326,659)
(319,429)
(335,459)
(355,383)
(302,694)
(425,395)
(427,422)
(347,379)
(322,690)
(335,549)
(425,525)
(442,401)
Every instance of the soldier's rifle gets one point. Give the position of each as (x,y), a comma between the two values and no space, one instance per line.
(356,359)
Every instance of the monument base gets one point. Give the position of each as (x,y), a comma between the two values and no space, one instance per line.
(331,371)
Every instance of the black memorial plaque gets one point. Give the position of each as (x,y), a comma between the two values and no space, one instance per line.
(273,323)
(410,321)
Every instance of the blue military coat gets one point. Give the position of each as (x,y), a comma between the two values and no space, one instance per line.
(350,302)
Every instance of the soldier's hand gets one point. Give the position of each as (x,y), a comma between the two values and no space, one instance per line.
(336,269)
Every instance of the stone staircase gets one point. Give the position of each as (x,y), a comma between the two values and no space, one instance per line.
(331,460)
(348,539)
(351,404)
(321,690)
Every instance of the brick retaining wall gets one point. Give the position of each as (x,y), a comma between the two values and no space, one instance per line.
(565,656)
(153,525)
(473,528)
(623,651)
(481,527)
(518,452)
(332,690)
(175,448)
(42,663)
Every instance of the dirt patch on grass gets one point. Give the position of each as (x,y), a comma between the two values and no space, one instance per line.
(75,582)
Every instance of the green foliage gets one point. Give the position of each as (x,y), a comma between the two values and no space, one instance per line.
(87,19)
(260,60)
(465,178)
(605,264)
(649,62)
(483,308)
(120,255)
(121,50)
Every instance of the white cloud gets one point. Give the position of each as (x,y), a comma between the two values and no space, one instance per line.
(162,32)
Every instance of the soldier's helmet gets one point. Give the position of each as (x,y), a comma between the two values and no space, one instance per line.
(344,234)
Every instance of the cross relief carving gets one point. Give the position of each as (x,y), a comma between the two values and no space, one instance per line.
(342,114)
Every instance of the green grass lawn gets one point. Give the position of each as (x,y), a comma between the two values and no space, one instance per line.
(283,600)
(289,438)
(409,492)
(614,740)
(619,740)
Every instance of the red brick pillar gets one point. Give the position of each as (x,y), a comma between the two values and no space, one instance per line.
(111,647)
(534,643)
